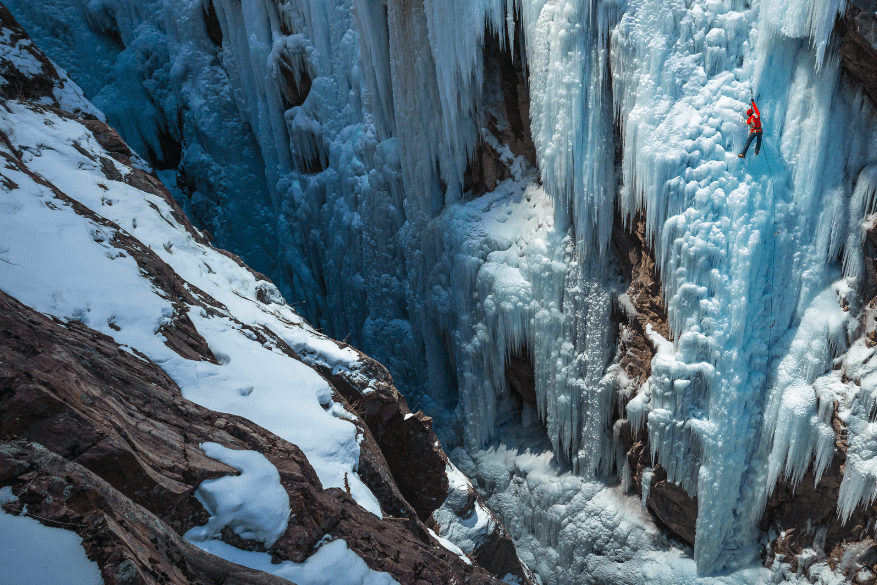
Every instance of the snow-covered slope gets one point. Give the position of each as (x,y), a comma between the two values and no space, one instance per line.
(150,80)
(369,117)
(69,267)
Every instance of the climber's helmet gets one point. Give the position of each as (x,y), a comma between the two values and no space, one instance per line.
(749,112)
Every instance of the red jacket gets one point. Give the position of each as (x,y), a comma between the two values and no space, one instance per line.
(754,120)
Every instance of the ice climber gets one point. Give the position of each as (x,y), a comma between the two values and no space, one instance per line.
(755,130)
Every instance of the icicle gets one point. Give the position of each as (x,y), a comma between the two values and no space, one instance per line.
(647,477)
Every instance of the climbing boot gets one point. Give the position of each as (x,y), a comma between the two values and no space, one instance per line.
(756,153)
(741,155)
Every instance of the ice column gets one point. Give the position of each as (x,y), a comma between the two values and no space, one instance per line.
(745,249)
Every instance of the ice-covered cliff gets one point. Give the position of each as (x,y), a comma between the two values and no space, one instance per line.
(533,213)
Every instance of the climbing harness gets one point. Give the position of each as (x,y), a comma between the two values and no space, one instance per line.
(755,128)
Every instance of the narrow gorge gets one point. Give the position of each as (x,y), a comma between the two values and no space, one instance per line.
(438,291)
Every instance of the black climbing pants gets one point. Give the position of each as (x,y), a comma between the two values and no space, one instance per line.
(749,141)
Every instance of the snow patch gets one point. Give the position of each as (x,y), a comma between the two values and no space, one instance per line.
(32,553)
(253,505)
(332,564)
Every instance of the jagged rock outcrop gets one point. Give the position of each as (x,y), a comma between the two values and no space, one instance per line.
(102,412)
(671,506)
(635,254)
(413,451)
(419,465)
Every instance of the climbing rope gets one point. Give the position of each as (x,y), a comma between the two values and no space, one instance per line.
(775,233)
(764,147)
(773,229)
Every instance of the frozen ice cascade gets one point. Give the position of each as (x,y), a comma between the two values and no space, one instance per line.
(327,142)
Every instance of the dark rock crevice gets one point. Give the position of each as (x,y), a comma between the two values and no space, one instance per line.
(635,255)
(504,113)
(211,24)
(297,80)
(412,450)
(672,508)
(857,33)
(170,153)
(521,375)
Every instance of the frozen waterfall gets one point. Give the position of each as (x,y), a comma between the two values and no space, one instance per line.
(328,142)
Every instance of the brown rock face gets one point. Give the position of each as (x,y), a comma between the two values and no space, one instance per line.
(857,30)
(103,412)
(495,551)
(632,249)
(671,506)
(416,459)
(19,85)
(804,516)
(515,95)
(128,543)
(110,140)
(411,448)
(505,110)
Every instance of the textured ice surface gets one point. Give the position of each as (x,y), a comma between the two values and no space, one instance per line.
(635,106)
(568,528)
(746,251)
